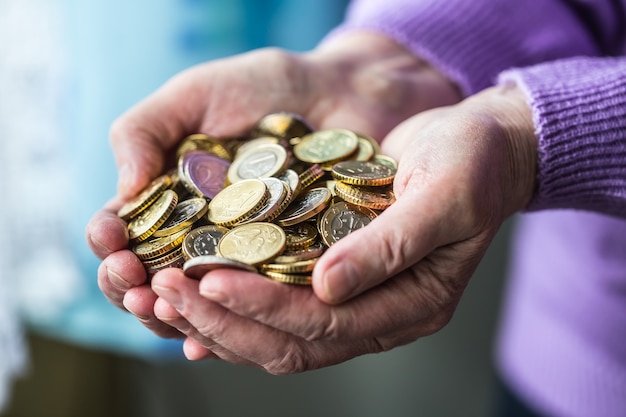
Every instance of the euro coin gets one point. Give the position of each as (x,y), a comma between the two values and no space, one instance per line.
(155,247)
(146,197)
(298,267)
(237,202)
(371,197)
(262,161)
(202,241)
(363,173)
(253,243)
(148,221)
(300,235)
(279,191)
(296,279)
(282,125)
(197,267)
(341,219)
(315,250)
(306,206)
(203,174)
(184,215)
(325,146)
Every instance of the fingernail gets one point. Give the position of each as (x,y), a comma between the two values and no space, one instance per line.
(340,282)
(169,294)
(211,293)
(96,244)
(117,280)
(141,318)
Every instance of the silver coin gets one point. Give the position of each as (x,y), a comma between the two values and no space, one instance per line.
(197,267)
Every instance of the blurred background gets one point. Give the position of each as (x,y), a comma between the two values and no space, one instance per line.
(68,68)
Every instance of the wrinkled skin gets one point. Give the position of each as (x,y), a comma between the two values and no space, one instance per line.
(463,168)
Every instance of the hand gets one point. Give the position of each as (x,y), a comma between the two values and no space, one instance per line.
(462,171)
(362,82)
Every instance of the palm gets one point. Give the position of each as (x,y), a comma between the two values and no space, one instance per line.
(225,98)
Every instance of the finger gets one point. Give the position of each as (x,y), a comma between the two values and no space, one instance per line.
(275,351)
(143,135)
(413,296)
(118,273)
(140,301)
(397,239)
(106,233)
(194,351)
(123,270)
(396,143)
(167,285)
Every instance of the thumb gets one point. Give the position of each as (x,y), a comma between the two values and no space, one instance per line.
(141,138)
(139,160)
(391,243)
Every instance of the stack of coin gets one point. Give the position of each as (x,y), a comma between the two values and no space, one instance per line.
(270,203)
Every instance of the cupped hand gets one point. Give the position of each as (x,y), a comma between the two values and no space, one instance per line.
(462,171)
(363,82)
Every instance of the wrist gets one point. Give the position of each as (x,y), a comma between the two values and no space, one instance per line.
(382,75)
(508,105)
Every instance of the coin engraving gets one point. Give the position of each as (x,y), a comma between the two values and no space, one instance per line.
(253,243)
(342,219)
(326,145)
(142,226)
(238,201)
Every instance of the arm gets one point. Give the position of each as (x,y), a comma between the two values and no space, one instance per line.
(472,41)
(338,85)
(579,113)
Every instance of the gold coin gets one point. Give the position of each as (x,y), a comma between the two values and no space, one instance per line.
(253,143)
(168,262)
(299,267)
(312,174)
(141,227)
(278,193)
(306,206)
(253,243)
(289,256)
(300,235)
(153,248)
(163,259)
(281,125)
(197,267)
(292,179)
(376,198)
(177,185)
(202,142)
(184,215)
(202,241)
(237,202)
(146,197)
(341,219)
(363,173)
(325,146)
(386,160)
(296,279)
(285,203)
(368,147)
(262,161)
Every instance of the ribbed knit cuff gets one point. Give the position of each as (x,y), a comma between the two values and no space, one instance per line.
(472,41)
(579,110)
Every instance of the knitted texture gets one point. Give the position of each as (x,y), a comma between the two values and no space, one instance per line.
(579,110)
(471,41)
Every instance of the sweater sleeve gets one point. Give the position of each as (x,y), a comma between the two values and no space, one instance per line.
(471,42)
(579,111)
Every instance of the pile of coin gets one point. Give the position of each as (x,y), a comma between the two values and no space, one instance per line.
(271,203)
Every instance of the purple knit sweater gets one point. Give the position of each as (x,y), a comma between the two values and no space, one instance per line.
(562,344)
